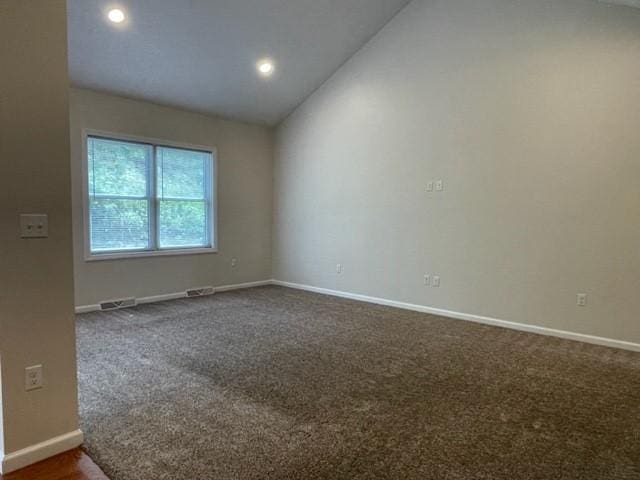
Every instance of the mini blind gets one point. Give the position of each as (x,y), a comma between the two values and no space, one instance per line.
(147,197)
(119,195)
(183,197)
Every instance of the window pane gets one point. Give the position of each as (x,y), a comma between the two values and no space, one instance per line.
(118,224)
(183,224)
(118,168)
(182,174)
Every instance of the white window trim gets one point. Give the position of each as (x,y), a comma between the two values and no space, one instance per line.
(92,257)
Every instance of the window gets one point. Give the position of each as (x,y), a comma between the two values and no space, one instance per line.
(148,198)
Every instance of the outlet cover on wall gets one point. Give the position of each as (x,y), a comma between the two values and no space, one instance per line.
(339,268)
(436,281)
(582,299)
(427,280)
(33,378)
(439,186)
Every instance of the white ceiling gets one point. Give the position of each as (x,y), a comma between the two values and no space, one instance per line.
(201,54)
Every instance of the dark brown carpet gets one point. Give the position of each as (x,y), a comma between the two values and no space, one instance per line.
(273,383)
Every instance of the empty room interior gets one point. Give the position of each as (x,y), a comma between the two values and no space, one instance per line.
(319,239)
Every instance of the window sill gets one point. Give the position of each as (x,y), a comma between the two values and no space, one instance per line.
(98,257)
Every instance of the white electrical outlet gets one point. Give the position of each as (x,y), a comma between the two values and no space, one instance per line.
(429,186)
(427,280)
(33,378)
(439,186)
(582,299)
(436,281)
(339,268)
(234,262)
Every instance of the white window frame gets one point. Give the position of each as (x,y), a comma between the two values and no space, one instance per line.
(153,250)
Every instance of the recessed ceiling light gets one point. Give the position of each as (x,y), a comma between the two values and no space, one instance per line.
(266,67)
(116,15)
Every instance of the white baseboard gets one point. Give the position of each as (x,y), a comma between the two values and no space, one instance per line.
(41,451)
(177,295)
(240,286)
(580,337)
(87,308)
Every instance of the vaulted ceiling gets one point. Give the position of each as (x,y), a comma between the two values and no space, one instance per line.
(202,54)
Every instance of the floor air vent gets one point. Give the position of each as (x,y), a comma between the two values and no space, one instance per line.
(118,304)
(200,292)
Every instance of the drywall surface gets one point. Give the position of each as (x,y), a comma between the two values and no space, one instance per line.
(36,276)
(245,165)
(1,410)
(528,112)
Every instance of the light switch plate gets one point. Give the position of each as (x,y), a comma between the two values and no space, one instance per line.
(34,226)
(429,186)
(439,186)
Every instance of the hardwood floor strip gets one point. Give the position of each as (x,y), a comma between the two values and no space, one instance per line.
(71,465)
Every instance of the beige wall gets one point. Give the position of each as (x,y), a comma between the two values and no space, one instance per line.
(36,277)
(528,110)
(244,200)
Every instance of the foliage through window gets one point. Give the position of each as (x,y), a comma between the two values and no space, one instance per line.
(145,197)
